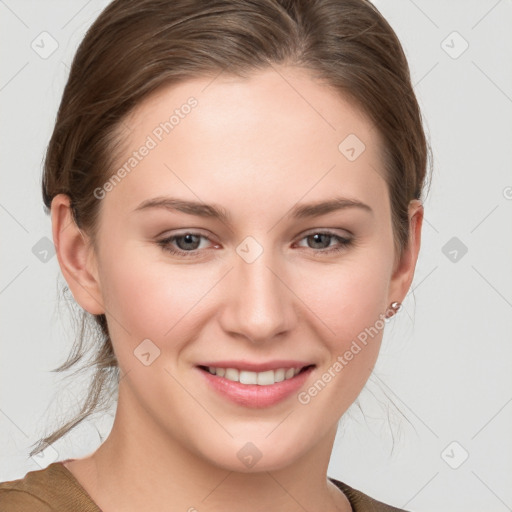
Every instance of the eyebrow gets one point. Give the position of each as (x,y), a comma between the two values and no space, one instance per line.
(214,211)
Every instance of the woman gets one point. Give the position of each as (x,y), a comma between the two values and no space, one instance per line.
(235,193)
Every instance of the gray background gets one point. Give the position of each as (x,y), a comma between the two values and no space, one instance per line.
(446,359)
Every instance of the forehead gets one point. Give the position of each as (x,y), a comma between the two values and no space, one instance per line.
(278,99)
(278,131)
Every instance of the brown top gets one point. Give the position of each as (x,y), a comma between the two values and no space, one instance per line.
(55,489)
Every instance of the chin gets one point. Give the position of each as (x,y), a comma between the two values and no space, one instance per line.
(255,456)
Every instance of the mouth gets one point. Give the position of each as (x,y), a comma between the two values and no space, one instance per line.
(264,378)
(255,389)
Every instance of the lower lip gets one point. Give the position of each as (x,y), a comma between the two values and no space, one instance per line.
(253,395)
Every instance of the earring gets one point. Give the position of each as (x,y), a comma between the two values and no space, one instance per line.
(395,307)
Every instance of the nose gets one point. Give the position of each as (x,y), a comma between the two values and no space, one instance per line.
(260,303)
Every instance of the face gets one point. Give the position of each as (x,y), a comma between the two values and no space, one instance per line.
(255,281)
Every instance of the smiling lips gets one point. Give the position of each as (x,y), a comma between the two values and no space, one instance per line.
(256,385)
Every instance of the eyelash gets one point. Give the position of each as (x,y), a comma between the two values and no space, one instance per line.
(165,244)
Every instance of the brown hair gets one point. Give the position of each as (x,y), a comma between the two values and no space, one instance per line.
(136,47)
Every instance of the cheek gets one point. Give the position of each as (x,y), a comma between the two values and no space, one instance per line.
(350,301)
(150,300)
(347,297)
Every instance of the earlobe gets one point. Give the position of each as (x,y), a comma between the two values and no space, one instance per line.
(403,274)
(76,257)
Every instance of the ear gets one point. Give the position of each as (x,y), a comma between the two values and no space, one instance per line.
(403,273)
(76,256)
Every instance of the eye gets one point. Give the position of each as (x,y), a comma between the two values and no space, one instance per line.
(187,244)
(320,239)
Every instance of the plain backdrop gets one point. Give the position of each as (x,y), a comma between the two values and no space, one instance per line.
(446,359)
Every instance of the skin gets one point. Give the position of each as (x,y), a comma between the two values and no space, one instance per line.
(256,147)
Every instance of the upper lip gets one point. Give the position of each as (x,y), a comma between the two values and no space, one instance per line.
(257,367)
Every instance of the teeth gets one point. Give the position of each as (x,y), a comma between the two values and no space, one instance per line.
(279,375)
(246,377)
(266,378)
(232,374)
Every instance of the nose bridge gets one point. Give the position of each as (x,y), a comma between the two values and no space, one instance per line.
(259,306)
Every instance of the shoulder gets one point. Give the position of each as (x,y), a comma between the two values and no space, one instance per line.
(361,502)
(46,490)
(17,500)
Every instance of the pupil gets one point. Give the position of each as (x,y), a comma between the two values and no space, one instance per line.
(187,237)
(317,235)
